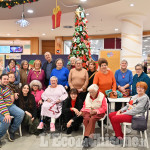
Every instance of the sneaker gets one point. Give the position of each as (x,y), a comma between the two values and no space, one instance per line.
(11,136)
(113,138)
(117,141)
(41,125)
(52,127)
(85,142)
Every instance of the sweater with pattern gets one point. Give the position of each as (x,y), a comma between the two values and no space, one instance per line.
(5,100)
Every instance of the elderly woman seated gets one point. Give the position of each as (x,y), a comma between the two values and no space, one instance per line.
(52,106)
(36,90)
(94,108)
(136,106)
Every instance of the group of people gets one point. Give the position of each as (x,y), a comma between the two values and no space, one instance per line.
(73,93)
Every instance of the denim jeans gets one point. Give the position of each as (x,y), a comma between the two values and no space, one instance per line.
(18,115)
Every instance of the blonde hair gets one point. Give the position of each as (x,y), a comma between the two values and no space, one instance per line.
(36,62)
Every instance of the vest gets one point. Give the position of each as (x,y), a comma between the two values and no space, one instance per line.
(94,104)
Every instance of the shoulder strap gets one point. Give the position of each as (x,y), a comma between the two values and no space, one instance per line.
(92,75)
(147,108)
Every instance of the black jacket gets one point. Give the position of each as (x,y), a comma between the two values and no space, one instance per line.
(33,111)
(67,105)
(44,68)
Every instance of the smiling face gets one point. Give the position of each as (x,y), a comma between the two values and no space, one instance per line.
(48,57)
(25,66)
(4,80)
(123,65)
(72,61)
(73,96)
(93,93)
(35,87)
(139,70)
(12,64)
(11,78)
(59,64)
(78,65)
(25,90)
(37,65)
(91,67)
(103,67)
(140,90)
(53,82)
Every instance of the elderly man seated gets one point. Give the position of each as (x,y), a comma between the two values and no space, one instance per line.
(94,108)
(52,106)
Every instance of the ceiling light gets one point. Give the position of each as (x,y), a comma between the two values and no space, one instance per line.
(83,0)
(43,34)
(8,34)
(22,22)
(30,11)
(143,54)
(131,5)
(116,29)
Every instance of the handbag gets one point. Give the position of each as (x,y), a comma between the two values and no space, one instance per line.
(111,95)
(140,122)
(126,93)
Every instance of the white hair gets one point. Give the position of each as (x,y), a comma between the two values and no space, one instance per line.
(54,77)
(36,82)
(73,58)
(123,60)
(93,87)
(78,59)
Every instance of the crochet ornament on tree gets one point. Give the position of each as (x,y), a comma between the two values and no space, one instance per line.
(80,44)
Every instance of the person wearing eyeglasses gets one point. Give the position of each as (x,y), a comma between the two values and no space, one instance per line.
(136,106)
(140,76)
(36,90)
(12,67)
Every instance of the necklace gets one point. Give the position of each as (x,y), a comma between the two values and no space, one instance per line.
(123,74)
(37,75)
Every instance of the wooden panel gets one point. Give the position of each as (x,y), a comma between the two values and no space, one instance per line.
(35,46)
(59,48)
(48,46)
(113,58)
(34,42)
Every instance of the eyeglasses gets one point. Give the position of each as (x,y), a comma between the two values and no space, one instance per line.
(138,69)
(35,85)
(140,88)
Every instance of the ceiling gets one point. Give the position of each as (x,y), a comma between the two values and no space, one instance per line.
(103,18)
(45,8)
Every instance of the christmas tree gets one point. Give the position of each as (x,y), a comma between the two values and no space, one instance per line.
(80,44)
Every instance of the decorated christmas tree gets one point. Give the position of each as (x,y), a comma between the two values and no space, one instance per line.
(80,44)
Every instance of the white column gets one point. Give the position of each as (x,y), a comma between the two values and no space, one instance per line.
(131,36)
(40,46)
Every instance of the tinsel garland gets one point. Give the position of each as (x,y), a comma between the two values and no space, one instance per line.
(12,3)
